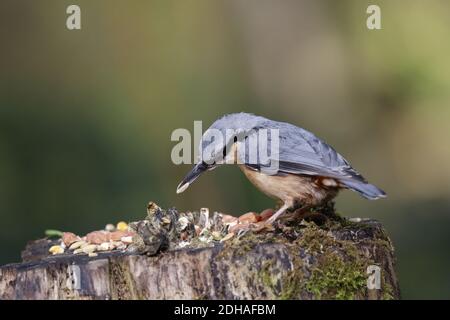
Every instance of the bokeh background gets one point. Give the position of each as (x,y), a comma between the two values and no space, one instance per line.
(86,116)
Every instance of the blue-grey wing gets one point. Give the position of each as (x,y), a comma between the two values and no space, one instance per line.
(301,152)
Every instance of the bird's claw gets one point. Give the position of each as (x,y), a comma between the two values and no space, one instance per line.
(242,232)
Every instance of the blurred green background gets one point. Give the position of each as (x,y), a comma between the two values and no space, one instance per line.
(86,116)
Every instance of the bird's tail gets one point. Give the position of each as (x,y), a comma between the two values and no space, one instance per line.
(367,190)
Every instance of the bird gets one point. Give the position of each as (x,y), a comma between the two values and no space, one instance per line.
(307,172)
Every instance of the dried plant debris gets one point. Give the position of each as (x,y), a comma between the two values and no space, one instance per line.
(169,229)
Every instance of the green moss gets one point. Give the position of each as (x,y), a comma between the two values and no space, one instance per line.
(333,277)
(388,292)
(336,279)
(266,275)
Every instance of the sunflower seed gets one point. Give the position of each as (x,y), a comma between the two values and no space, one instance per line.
(77,245)
(89,248)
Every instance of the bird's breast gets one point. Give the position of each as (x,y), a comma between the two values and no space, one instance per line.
(291,188)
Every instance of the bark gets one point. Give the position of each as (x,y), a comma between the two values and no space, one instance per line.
(300,262)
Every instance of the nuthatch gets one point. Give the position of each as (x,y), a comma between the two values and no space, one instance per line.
(308,171)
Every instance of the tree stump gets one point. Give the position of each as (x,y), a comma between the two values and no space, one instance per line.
(351,259)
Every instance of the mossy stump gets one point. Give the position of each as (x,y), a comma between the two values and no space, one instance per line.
(304,260)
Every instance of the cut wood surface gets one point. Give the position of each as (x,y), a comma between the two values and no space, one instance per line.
(298,260)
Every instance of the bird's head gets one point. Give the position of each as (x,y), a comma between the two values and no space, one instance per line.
(218,144)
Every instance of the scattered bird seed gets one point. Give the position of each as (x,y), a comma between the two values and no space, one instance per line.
(89,248)
(68,238)
(183,222)
(105,246)
(110,227)
(183,244)
(97,237)
(227,219)
(56,250)
(249,217)
(128,239)
(216,235)
(116,244)
(122,226)
(122,246)
(92,254)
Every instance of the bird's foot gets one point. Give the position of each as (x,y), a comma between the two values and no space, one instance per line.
(242,232)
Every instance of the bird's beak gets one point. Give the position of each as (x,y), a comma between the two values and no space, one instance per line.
(191,176)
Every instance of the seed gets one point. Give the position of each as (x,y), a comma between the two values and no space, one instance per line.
(97,237)
(115,244)
(227,237)
(226,219)
(105,246)
(56,250)
(77,251)
(92,254)
(89,248)
(122,226)
(128,239)
(249,217)
(76,245)
(216,235)
(205,232)
(121,246)
(117,235)
(204,239)
(183,244)
(183,221)
(110,227)
(68,238)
